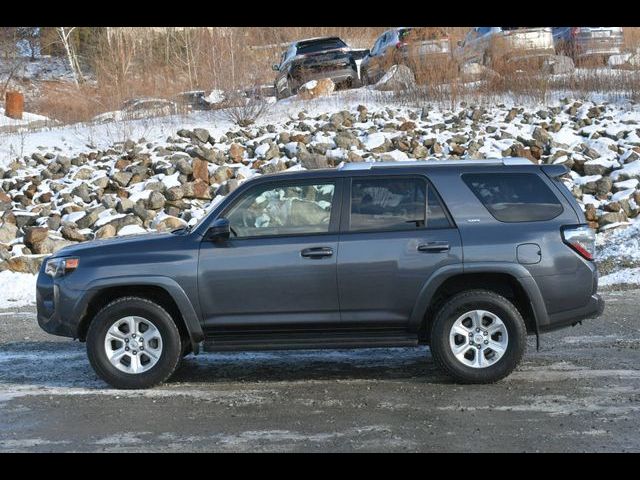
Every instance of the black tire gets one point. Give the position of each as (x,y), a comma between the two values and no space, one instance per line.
(467,301)
(134,306)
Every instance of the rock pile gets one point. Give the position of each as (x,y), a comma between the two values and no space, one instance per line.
(49,200)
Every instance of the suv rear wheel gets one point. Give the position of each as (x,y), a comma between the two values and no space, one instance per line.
(478,336)
(133,343)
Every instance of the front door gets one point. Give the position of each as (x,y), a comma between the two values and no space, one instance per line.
(278,268)
(395,234)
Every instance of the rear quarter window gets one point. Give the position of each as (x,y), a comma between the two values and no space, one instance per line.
(514,197)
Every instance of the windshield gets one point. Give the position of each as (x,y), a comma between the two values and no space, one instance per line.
(314,46)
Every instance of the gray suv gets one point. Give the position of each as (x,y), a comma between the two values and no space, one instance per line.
(468,257)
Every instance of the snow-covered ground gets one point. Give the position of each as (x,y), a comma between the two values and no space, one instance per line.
(27,119)
(17,289)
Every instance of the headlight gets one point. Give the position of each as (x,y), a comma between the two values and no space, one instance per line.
(57,267)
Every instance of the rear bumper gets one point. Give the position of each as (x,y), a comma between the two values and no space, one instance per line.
(336,75)
(521,55)
(592,309)
(611,45)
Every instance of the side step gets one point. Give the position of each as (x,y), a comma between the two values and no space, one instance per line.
(311,340)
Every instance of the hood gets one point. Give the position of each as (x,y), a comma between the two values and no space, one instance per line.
(115,242)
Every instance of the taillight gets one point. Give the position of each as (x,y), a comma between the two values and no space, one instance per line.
(575,31)
(580,238)
(401,45)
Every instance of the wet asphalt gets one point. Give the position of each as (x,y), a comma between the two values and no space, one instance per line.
(580,392)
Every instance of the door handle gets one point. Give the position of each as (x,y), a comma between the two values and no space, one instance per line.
(433,247)
(317,252)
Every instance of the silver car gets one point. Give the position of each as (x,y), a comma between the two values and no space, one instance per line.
(583,42)
(490,45)
(419,48)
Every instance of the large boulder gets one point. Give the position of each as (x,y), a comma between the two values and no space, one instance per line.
(25,263)
(8,232)
(471,72)
(398,77)
(558,64)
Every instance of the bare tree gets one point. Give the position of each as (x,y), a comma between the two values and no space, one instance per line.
(65,37)
(11,61)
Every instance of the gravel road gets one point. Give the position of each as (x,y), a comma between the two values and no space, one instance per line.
(580,392)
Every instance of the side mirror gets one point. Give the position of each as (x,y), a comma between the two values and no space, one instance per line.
(219,230)
(275,67)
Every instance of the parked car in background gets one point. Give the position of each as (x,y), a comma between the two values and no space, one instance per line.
(313,59)
(193,100)
(420,48)
(136,108)
(493,46)
(588,42)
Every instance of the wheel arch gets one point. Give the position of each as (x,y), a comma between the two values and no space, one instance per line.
(164,291)
(509,280)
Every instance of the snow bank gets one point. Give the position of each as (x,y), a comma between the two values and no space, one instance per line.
(17,289)
(628,276)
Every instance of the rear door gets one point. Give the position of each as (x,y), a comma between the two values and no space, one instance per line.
(394,234)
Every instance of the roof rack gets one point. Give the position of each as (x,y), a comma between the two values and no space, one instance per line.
(435,163)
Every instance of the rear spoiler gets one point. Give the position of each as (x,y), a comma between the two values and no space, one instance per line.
(555,171)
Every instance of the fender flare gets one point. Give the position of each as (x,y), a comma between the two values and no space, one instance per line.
(519,273)
(173,289)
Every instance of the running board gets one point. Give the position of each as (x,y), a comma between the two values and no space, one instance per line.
(312,340)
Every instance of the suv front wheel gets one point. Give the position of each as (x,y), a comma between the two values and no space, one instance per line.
(133,343)
(478,336)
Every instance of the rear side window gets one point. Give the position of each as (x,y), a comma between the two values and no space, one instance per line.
(395,204)
(514,197)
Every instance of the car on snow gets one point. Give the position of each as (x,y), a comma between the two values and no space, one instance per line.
(426,50)
(468,257)
(581,43)
(494,47)
(314,59)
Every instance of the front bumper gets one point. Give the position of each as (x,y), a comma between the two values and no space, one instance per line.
(593,309)
(56,306)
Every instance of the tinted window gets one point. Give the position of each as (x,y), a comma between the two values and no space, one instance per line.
(514,197)
(320,45)
(283,210)
(394,204)
(404,33)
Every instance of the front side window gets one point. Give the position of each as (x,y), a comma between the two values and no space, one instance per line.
(282,210)
(394,204)
(514,197)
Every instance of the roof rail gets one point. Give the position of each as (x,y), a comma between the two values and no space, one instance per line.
(435,163)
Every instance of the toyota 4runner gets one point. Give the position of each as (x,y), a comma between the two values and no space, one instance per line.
(468,257)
